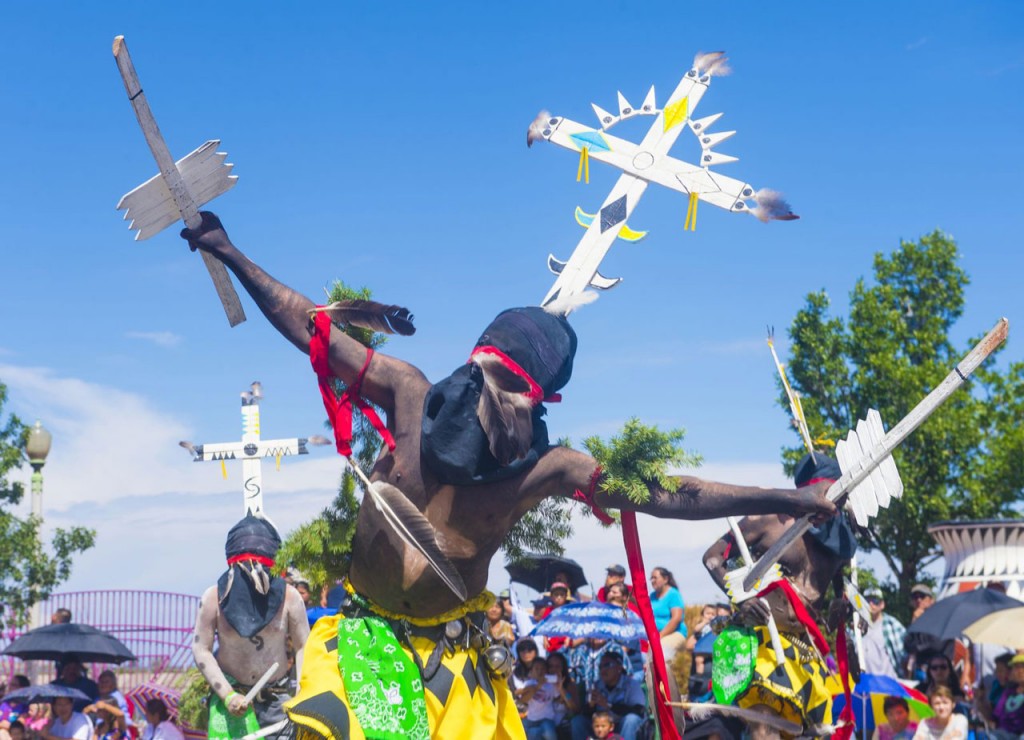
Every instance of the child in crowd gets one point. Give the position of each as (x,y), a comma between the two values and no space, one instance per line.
(898,725)
(16,730)
(603,727)
(944,725)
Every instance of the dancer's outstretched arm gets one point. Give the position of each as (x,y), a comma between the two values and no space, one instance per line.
(562,471)
(288,311)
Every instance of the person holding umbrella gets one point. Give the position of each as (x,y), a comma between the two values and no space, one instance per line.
(72,675)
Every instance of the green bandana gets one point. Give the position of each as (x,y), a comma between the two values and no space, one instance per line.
(732,666)
(382,683)
(224,725)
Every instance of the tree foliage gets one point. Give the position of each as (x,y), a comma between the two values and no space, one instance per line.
(967,460)
(28,572)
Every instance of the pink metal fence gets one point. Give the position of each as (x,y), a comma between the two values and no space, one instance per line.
(155,625)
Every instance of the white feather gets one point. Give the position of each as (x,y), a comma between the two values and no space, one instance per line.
(566,304)
(536,130)
(711,63)
(771,205)
(700,711)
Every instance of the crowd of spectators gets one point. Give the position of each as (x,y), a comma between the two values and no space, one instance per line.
(106,714)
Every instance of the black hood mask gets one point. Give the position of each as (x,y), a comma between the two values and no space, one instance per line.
(249,595)
(836,534)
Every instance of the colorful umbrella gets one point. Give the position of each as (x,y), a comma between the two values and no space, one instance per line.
(869,695)
(592,619)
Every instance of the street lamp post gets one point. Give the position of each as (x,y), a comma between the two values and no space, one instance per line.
(37,447)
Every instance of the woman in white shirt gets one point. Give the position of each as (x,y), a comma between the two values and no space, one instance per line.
(944,725)
(159,721)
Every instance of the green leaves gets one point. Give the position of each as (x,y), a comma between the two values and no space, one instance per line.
(892,349)
(637,455)
(28,573)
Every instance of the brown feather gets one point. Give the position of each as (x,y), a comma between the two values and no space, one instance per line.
(417,531)
(372,315)
(505,414)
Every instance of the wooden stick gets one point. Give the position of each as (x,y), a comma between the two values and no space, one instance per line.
(182,198)
(863,467)
(268,730)
(773,628)
(261,683)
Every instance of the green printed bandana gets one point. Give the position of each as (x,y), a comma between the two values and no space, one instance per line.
(382,683)
(225,726)
(732,666)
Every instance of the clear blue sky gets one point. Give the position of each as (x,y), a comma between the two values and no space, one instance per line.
(384,144)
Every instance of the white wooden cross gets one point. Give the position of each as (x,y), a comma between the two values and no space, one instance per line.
(251,450)
(644,163)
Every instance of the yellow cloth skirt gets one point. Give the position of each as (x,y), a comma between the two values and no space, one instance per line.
(800,690)
(463,701)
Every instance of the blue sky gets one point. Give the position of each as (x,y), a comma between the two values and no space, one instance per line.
(384,144)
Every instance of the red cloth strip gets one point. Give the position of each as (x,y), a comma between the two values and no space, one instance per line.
(812,481)
(846,718)
(261,559)
(588,498)
(536,393)
(631,539)
(801,613)
(339,410)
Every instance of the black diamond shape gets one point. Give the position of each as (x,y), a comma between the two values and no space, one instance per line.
(483,678)
(326,708)
(613,213)
(440,684)
(469,676)
(331,645)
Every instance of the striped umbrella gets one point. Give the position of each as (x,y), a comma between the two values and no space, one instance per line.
(149,690)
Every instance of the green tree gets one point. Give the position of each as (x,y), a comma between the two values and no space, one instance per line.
(967,460)
(28,573)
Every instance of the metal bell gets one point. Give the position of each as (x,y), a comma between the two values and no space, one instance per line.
(499,661)
(453,629)
(478,640)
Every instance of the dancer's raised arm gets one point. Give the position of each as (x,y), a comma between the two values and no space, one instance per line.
(288,311)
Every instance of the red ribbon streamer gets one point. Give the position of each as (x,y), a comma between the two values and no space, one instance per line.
(339,410)
(631,539)
(846,719)
(588,498)
(801,613)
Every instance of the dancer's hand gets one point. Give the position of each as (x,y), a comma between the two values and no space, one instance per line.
(237,704)
(811,500)
(210,236)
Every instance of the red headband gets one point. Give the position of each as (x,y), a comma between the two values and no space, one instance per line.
(536,393)
(261,559)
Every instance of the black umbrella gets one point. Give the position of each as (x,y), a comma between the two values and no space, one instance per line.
(949,617)
(58,641)
(538,571)
(44,692)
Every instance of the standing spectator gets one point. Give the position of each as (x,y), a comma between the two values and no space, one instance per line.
(619,595)
(917,646)
(897,725)
(1009,712)
(668,607)
(499,630)
(883,642)
(61,616)
(921,597)
(66,722)
(944,725)
(616,693)
(559,597)
(72,675)
(159,721)
(613,574)
(568,699)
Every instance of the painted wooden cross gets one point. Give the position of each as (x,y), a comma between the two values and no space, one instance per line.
(644,163)
(251,450)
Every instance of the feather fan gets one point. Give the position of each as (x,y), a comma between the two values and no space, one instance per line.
(417,531)
(371,315)
(699,711)
(505,413)
(772,206)
(536,130)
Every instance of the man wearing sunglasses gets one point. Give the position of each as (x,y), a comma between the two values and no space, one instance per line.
(883,642)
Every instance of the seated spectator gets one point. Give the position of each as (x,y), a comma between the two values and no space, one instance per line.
(619,595)
(668,607)
(159,722)
(616,693)
(992,685)
(603,727)
(897,721)
(106,682)
(1009,712)
(568,697)
(944,725)
(940,672)
(11,712)
(613,574)
(72,675)
(707,614)
(107,720)
(16,731)
(66,722)
(559,597)
(499,630)
(533,692)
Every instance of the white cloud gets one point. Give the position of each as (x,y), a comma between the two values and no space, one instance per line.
(915,45)
(165,339)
